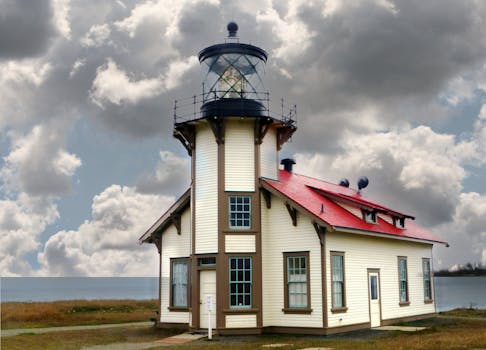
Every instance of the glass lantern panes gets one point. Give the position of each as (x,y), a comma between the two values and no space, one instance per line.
(232,75)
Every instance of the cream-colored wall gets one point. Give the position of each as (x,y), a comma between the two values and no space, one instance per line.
(174,246)
(362,253)
(279,236)
(240,243)
(206,191)
(269,155)
(241,321)
(239,149)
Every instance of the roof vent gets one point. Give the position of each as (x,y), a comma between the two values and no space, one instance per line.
(344,183)
(232,29)
(362,182)
(288,163)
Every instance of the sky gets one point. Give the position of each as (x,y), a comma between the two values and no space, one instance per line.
(392,90)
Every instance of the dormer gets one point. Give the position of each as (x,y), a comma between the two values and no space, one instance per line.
(369,216)
(399,222)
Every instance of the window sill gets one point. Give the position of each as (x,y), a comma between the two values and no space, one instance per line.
(339,310)
(428,301)
(241,231)
(178,309)
(241,311)
(303,310)
(404,303)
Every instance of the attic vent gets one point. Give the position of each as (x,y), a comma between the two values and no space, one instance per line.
(369,216)
(399,222)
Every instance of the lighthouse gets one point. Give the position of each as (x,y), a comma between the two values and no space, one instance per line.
(233,141)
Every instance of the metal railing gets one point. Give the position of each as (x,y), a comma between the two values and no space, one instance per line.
(188,109)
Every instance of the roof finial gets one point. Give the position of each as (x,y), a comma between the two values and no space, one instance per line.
(232,29)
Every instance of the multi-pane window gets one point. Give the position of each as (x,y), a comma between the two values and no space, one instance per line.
(427,280)
(337,280)
(240,282)
(179,282)
(240,212)
(297,274)
(403,279)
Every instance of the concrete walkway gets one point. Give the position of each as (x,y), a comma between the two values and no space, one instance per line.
(12,332)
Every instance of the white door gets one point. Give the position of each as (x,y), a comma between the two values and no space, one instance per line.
(207,289)
(374,295)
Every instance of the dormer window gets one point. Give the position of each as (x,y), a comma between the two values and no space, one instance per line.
(399,222)
(369,216)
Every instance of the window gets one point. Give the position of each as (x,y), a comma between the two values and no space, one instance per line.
(179,282)
(240,282)
(369,216)
(427,280)
(296,279)
(240,212)
(374,287)
(403,280)
(337,282)
(399,222)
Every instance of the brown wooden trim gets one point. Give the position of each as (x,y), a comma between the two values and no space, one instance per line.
(258,269)
(240,232)
(194,275)
(221,260)
(406,302)
(239,331)
(304,311)
(160,280)
(391,321)
(339,310)
(287,308)
(343,308)
(294,330)
(188,301)
(292,212)
(321,233)
(237,311)
(431,299)
(268,198)
(178,309)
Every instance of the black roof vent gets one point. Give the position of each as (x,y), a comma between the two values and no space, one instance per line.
(344,183)
(232,29)
(288,164)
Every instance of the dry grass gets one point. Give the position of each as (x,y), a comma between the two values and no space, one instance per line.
(75,312)
(466,313)
(73,340)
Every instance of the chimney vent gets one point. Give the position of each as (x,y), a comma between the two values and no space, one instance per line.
(288,164)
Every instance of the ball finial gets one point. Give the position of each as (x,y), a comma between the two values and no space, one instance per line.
(232,29)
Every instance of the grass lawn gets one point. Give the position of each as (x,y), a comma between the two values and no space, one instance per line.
(75,312)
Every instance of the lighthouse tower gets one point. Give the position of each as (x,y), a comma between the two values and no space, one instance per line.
(233,141)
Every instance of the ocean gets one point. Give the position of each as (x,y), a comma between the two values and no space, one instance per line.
(450,292)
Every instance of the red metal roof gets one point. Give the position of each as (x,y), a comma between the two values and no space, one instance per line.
(313,194)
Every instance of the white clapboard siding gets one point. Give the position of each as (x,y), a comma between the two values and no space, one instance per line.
(174,246)
(240,243)
(206,196)
(362,253)
(241,321)
(239,149)
(269,155)
(279,236)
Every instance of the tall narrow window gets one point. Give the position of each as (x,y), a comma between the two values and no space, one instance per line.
(240,281)
(427,280)
(337,282)
(179,283)
(240,212)
(297,284)
(403,280)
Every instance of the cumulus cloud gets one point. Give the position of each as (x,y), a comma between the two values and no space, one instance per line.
(38,165)
(106,245)
(171,175)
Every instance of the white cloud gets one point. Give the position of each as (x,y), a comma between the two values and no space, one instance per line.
(77,65)
(97,36)
(38,164)
(107,244)
(61,17)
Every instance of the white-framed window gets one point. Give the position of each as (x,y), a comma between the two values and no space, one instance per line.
(296,280)
(239,212)
(399,222)
(338,289)
(403,280)
(240,281)
(179,282)
(427,279)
